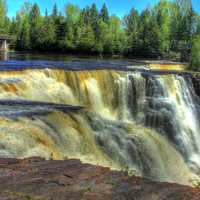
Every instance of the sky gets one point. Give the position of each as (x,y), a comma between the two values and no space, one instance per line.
(118,7)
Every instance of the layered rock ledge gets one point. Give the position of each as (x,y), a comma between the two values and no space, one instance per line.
(37,179)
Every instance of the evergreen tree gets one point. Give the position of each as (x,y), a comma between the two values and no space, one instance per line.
(22,27)
(24,34)
(186,29)
(149,34)
(104,14)
(86,15)
(195,55)
(197,28)
(3,17)
(55,12)
(13,32)
(162,14)
(58,26)
(132,31)
(60,29)
(165,30)
(35,21)
(102,40)
(181,28)
(94,17)
(48,34)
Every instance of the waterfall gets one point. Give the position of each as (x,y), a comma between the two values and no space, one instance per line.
(131,120)
(187,136)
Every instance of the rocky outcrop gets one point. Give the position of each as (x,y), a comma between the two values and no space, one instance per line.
(37,179)
(195,77)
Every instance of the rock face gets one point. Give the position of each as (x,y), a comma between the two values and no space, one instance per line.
(195,77)
(37,179)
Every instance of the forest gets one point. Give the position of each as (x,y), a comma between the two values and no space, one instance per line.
(167,30)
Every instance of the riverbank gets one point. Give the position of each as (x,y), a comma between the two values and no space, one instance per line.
(38,179)
(59,56)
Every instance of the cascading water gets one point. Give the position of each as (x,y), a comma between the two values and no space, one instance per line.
(131,120)
(187,136)
(172,110)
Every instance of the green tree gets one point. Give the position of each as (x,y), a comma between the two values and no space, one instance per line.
(181,28)
(3,17)
(161,12)
(165,30)
(22,27)
(132,30)
(186,23)
(195,54)
(13,32)
(35,21)
(175,26)
(187,27)
(149,34)
(87,40)
(24,35)
(73,14)
(94,17)
(94,23)
(197,27)
(48,34)
(55,12)
(104,14)
(60,26)
(117,37)
(85,14)
(102,40)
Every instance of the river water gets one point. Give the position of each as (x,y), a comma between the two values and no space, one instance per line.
(114,113)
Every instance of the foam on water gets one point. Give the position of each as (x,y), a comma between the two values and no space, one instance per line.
(130,121)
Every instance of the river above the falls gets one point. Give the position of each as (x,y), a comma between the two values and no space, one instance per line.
(17,60)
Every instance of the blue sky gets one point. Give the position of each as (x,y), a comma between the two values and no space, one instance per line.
(119,7)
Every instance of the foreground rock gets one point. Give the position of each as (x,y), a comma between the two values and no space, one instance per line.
(37,179)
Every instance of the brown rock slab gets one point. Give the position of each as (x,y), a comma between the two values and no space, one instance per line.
(37,179)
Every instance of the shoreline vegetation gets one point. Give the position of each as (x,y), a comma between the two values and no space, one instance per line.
(168,30)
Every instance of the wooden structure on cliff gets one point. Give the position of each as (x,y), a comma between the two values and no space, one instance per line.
(4,43)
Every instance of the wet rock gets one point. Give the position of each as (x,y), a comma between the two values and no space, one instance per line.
(37,179)
(195,78)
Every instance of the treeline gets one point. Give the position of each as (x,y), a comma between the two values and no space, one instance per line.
(167,30)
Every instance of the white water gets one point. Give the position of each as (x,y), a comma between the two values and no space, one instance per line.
(178,94)
(114,130)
